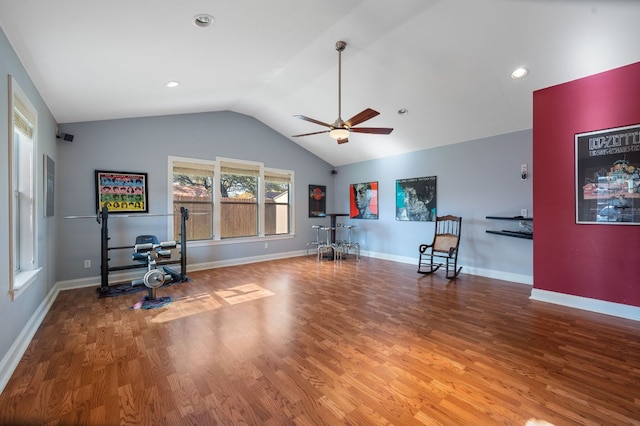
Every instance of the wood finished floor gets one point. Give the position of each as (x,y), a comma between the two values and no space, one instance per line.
(298,342)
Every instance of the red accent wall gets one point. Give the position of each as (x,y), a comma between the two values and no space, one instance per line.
(595,261)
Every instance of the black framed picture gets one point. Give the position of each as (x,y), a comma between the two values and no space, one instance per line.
(416,199)
(317,201)
(122,192)
(608,176)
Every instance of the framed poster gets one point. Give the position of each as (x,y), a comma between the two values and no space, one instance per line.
(317,201)
(363,199)
(49,185)
(607,176)
(121,192)
(416,199)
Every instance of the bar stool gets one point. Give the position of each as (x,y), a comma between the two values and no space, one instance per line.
(339,243)
(349,245)
(317,242)
(327,246)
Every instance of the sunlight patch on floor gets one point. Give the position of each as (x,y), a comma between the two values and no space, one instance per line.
(186,306)
(536,422)
(243,293)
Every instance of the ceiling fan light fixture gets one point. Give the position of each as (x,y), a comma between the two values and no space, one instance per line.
(339,133)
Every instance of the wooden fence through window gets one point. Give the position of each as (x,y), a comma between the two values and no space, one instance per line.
(238,218)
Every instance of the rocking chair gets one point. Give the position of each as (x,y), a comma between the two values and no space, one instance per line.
(444,247)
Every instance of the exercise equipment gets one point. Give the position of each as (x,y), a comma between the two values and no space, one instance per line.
(154,277)
(149,250)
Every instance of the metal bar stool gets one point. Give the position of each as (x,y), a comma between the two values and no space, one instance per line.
(349,245)
(339,244)
(317,242)
(327,246)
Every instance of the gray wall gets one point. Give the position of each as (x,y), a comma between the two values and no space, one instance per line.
(474,180)
(14,315)
(142,145)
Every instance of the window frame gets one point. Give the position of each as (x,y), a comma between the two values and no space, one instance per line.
(220,163)
(21,276)
(248,168)
(172,160)
(286,175)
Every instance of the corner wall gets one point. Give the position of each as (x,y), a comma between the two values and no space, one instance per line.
(591,261)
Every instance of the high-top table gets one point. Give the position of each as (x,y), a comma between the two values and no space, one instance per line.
(334,217)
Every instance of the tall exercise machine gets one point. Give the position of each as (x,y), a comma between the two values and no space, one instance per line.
(103,219)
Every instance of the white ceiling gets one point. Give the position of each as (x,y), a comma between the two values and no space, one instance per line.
(448,62)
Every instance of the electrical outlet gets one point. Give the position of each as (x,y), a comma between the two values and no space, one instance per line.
(523,212)
(87,264)
(266,245)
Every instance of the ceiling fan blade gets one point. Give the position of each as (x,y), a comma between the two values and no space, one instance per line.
(374,130)
(309,134)
(302,117)
(361,117)
(341,141)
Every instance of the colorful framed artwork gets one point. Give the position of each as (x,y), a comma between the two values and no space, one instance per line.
(363,200)
(122,192)
(317,201)
(416,199)
(608,176)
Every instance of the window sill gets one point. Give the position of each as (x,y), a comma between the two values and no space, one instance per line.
(238,240)
(22,280)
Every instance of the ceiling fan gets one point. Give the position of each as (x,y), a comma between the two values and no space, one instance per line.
(340,129)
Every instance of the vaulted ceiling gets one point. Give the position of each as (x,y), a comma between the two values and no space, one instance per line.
(447,62)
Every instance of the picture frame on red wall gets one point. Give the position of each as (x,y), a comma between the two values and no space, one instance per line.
(608,176)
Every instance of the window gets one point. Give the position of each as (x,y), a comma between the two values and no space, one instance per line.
(277,190)
(192,187)
(239,199)
(250,201)
(22,205)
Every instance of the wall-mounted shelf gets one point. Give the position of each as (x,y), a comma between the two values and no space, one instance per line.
(510,218)
(509,233)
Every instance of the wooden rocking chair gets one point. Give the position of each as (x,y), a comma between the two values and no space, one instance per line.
(444,247)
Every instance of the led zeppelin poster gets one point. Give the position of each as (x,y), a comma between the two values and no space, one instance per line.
(607,176)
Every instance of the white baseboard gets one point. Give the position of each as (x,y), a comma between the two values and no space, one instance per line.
(498,275)
(587,304)
(132,275)
(245,260)
(13,356)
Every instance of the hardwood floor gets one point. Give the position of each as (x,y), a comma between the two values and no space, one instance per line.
(297,341)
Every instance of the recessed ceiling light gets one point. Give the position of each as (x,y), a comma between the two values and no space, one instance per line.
(519,73)
(403,111)
(203,20)
(173,84)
